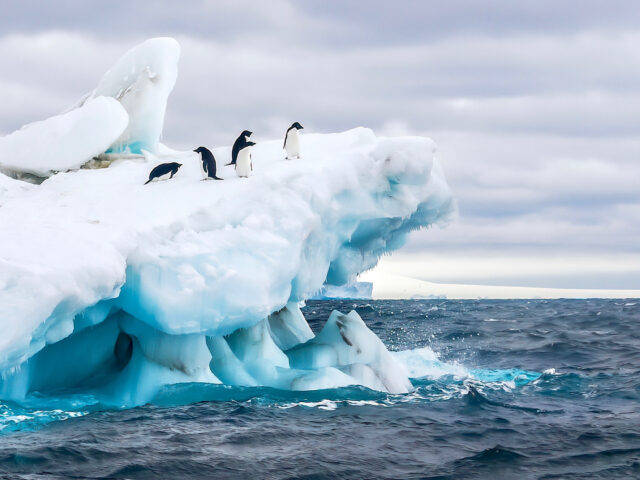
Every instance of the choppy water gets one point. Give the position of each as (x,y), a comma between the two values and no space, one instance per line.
(519,389)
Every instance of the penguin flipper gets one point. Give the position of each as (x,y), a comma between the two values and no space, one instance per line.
(217,178)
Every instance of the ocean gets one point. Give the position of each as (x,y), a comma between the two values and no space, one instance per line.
(516,389)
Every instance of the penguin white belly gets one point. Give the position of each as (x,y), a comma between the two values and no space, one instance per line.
(201,163)
(243,164)
(292,145)
(166,176)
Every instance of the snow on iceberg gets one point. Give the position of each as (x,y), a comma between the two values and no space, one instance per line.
(124,114)
(65,141)
(141,80)
(115,288)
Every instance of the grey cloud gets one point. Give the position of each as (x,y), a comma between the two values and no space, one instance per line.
(135,19)
(419,21)
(309,21)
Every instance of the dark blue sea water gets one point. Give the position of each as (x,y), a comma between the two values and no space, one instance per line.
(554,393)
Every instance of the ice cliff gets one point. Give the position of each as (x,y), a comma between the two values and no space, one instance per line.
(116,288)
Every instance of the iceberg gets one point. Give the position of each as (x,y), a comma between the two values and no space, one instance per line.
(347,344)
(357,290)
(116,289)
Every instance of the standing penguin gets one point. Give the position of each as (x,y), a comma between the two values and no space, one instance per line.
(163,171)
(292,141)
(238,144)
(244,166)
(207,163)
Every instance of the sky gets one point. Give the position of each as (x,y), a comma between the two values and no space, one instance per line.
(534,106)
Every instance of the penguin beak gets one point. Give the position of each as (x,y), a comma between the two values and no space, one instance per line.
(195,150)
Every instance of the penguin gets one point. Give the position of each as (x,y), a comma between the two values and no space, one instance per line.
(237,145)
(207,163)
(244,165)
(292,141)
(163,171)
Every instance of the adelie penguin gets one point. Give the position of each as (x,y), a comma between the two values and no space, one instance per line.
(292,141)
(244,165)
(163,171)
(238,144)
(207,163)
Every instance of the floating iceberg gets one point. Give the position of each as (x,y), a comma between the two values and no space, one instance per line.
(115,288)
(357,290)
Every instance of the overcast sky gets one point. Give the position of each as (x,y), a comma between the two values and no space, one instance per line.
(535,107)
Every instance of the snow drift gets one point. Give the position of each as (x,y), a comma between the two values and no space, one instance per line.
(64,142)
(112,287)
(124,114)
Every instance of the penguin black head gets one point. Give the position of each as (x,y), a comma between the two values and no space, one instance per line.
(246,133)
(296,125)
(205,153)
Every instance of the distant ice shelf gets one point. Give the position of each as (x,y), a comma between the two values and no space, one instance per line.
(117,288)
(388,285)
